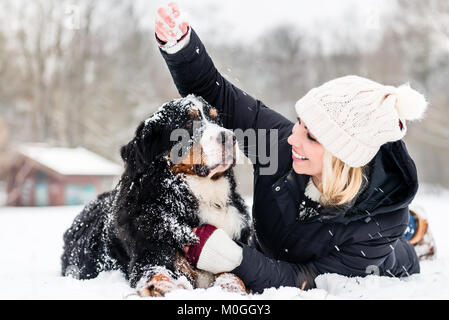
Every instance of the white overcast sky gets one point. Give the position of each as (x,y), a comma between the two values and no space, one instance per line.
(244,20)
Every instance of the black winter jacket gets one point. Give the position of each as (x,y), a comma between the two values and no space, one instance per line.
(363,237)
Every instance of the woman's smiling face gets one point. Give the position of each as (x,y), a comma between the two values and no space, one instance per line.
(307,152)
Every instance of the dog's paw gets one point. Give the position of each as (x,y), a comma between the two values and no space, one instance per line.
(159,285)
(230,282)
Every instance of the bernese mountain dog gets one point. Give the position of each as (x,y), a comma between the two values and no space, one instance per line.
(167,188)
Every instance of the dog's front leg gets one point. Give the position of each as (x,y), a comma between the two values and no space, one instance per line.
(159,285)
(163,281)
(230,282)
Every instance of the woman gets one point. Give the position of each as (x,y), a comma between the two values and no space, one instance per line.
(338,202)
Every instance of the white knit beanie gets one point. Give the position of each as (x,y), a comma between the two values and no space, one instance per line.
(353,116)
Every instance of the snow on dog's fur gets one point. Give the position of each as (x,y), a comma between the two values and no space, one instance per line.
(145,222)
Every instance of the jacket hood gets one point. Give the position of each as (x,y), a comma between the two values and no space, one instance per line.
(392,185)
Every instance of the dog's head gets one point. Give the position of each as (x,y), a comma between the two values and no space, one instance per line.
(188,132)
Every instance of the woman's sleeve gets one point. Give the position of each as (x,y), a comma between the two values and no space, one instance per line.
(193,72)
(259,272)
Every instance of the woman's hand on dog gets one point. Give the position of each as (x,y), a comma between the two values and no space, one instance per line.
(171,26)
(194,251)
(216,252)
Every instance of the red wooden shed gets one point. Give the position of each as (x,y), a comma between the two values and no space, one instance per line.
(49,176)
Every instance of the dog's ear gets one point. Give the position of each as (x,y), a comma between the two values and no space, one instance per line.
(150,141)
(126,151)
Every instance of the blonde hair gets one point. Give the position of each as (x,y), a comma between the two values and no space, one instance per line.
(340,183)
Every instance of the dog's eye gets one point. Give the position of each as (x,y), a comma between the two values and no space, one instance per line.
(189,124)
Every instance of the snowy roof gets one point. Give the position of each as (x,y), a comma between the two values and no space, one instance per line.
(71,161)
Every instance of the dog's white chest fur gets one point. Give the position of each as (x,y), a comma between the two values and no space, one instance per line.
(215,207)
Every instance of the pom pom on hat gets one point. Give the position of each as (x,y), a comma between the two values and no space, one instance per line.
(410,104)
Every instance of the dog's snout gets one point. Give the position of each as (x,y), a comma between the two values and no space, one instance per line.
(225,136)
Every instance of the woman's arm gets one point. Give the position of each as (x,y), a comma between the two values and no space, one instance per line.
(194,72)
(259,272)
(216,252)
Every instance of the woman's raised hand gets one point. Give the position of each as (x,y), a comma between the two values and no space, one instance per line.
(170,23)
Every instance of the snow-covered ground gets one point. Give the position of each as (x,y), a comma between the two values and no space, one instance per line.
(31,245)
